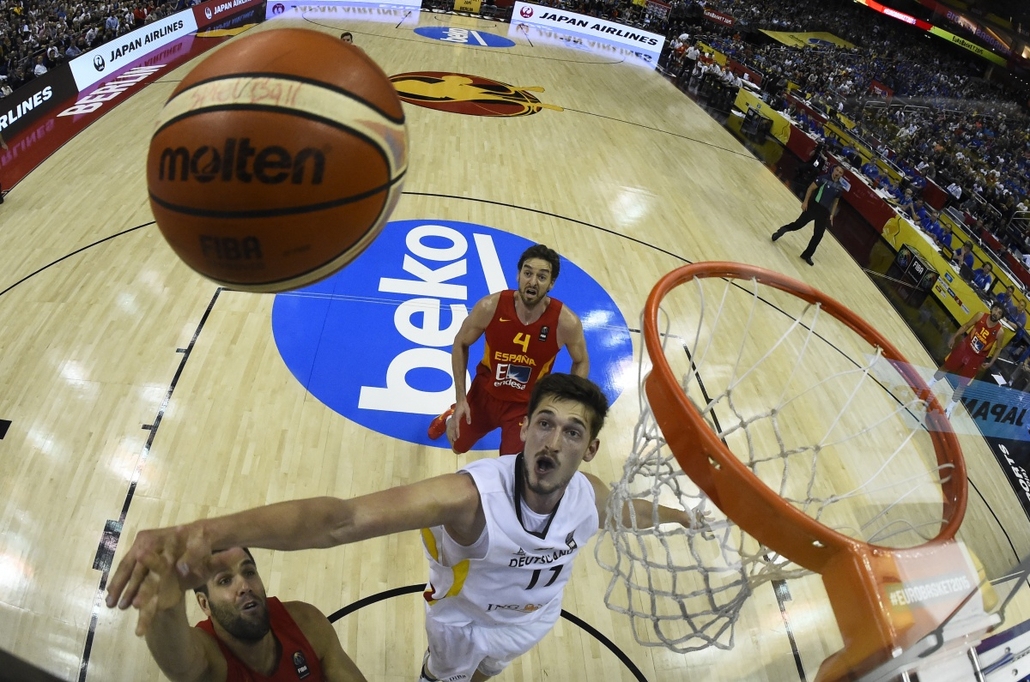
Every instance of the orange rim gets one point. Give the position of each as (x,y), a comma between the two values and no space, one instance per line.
(853,571)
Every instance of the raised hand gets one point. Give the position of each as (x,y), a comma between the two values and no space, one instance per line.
(183,548)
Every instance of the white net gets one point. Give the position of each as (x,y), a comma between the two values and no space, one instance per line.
(812,409)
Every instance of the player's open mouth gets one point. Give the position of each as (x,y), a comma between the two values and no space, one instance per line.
(545,465)
(249,606)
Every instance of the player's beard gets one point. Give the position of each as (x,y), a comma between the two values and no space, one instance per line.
(245,629)
(531,300)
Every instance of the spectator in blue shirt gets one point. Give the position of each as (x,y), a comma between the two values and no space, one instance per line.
(928,222)
(1006,300)
(964,256)
(871,171)
(982,277)
(917,211)
(905,205)
(932,224)
(1018,317)
(943,237)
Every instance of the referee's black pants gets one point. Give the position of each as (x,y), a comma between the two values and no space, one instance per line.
(816,212)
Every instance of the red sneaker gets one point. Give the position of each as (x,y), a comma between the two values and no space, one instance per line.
(438,426)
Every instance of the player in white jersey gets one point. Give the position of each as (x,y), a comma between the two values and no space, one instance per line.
(513,575)
(500,535)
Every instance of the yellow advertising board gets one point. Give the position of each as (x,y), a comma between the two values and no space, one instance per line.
(814,40)
(954,293)
(470,6)
(780,123)
(719,57)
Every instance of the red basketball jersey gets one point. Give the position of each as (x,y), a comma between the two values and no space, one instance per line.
(297,662)
(983,336)
(518,354)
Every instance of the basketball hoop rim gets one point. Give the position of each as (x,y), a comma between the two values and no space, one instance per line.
(722,475)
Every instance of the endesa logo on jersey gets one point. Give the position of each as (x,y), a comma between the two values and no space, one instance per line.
(373,342)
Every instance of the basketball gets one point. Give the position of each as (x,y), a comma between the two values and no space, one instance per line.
(277,160)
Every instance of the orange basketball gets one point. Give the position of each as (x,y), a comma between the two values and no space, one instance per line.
(277,160)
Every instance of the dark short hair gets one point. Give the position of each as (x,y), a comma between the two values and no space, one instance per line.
(576,389)
(202,589)
(543,253)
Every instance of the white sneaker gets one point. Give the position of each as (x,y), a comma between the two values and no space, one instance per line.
(949,409)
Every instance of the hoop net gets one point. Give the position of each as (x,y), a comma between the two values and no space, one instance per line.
(803,434)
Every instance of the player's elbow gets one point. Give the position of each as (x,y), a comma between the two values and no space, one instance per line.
(338,523)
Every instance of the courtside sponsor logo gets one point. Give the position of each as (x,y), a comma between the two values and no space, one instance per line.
(543,35)
(209,12)
(643,41)
(386,13)
(276,9)
(90,67)
(95,99)
(463,36)
(1019,475)
(373,342)
(990,410)
(16,111)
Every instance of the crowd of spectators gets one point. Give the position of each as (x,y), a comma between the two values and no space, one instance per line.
(979,143)
(949,124)
(38,35)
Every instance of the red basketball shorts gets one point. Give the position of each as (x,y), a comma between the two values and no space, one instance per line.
(963,362)
(489,413)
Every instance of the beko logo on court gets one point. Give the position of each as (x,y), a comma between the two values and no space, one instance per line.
(373,342)
(238,161)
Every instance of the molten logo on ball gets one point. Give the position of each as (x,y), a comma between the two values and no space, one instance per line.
(241,162)
(277,160)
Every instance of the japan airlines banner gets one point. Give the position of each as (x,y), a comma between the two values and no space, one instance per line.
(109,58)
(591,27)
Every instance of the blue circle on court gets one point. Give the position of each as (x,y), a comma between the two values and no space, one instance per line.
(373,342)
(463,36)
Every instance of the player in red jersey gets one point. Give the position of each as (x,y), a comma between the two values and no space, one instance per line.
(247,636)
(980,337)
(524,329)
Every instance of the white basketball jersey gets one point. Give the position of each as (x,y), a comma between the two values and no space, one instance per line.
(509,574)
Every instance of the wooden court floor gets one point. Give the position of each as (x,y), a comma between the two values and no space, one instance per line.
(101,322)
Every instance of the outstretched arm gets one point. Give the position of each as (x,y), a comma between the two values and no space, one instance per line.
(642,510)
(184,653)
(451,500)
